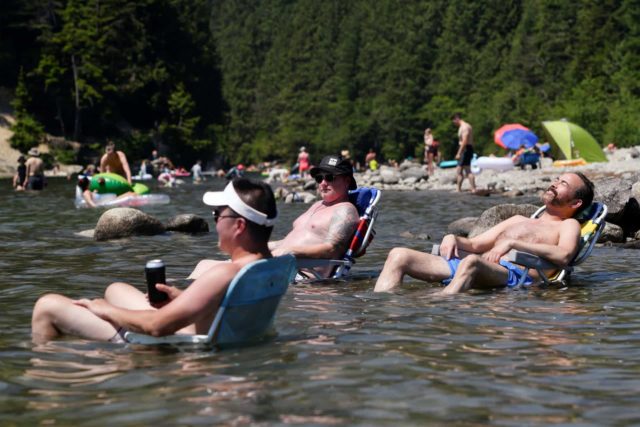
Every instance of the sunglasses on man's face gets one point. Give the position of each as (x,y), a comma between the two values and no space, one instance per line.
(217,215)
(328,177)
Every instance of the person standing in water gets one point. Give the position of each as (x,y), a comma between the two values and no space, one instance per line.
(196,172)
(115,162)
(34,174)
(21,175)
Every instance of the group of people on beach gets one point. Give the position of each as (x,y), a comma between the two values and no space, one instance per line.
(244,214)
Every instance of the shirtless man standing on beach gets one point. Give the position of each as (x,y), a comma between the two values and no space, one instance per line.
(324,231)
(115,162)
(464,155)
(34,176)
(553,236)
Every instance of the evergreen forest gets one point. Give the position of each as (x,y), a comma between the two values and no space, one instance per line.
(247,80)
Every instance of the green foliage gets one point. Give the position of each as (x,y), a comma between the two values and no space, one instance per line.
(64,156)
(251,81)
(27,132)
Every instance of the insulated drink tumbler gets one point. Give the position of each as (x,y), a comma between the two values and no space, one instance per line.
(154,270)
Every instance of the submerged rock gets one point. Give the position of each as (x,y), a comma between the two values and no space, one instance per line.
(187,223)
(117,223)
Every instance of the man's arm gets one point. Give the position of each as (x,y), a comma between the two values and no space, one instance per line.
(27,173)
(560,254)
(87,196)
(125,166)
(464,141)
(199,299)
(103,164)
(476,245)
(343,223)
(274,244)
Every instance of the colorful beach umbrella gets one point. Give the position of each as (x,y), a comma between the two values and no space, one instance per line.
(574,142)
(514,135)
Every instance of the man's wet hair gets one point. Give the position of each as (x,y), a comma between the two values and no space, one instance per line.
(456,115)
(585,192)
(259,196)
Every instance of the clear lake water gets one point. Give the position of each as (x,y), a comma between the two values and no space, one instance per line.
(342,355)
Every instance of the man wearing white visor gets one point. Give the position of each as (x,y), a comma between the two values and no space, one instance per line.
(244,214)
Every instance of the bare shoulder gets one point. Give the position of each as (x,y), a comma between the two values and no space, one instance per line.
(219,274)
(347,211)
(344,220)
(570,224)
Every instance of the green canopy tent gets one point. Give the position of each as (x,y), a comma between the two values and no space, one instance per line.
(574,141)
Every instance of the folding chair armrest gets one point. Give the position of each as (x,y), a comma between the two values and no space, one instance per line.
(136,338)
(313,262)
(530,260)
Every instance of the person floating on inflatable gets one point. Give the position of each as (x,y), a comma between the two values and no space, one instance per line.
(85,198)
(92,199)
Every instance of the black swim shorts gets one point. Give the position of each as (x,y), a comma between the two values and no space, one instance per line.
(467,155)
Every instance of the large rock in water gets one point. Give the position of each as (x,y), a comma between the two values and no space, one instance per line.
(414,172)
(497,214)
(187,223)
(619,196)
(123,222)
(463,226)
(389,175)
(611,233)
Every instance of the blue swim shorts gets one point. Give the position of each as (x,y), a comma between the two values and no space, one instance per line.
(515,272)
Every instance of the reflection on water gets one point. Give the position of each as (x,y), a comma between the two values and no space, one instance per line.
(343,355)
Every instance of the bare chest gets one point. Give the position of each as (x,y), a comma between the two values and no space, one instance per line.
(533,231)
(316,219)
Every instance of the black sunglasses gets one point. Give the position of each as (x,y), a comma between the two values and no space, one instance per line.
(328,177)
(217,216)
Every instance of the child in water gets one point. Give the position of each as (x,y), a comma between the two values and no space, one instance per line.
(89,197)
(21,174)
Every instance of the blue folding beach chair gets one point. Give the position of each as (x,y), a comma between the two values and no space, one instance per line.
(247,310)
(365,200)
(592,223)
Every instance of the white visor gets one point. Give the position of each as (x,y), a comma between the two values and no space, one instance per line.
(230,198)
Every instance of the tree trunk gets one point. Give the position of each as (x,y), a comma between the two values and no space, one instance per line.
(63,129)
(77,131)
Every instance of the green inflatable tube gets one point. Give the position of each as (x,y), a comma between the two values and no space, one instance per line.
(114,183)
